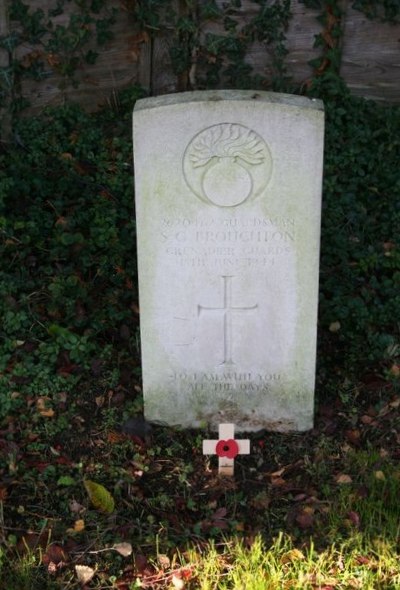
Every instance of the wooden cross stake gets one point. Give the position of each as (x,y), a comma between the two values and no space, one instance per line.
(226,447)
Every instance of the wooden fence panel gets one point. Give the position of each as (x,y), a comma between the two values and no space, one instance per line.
(5,121)
(371,57)
(370,62)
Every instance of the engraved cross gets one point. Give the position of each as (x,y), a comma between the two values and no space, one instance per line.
(227,310)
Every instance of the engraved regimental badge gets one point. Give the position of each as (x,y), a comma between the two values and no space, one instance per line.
(227,164)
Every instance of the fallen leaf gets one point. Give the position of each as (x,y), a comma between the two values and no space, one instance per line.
(84,573)
(75,507)
(100,399)
(124,549)
(142,566)
(365,419)
(354,518)
(79,526)
(42,409)
(54,554)
(305,519)
(278,473)
(353,436)
(177,583)
(261,501)
(292,555)
(66,155)
(379,475)
(163,561)
(99,496)
(343,478)
(278,481)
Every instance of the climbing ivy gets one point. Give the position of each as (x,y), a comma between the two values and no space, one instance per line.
(384,10)
(209,41)
(54,46)
(204,59)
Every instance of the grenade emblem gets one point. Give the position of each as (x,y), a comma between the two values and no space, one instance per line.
(227,164)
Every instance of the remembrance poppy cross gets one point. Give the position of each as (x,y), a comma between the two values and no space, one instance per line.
(227,447)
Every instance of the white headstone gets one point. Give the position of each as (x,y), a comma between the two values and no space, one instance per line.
(228,203)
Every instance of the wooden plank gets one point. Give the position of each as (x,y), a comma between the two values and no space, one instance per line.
(371,58)
(4,31)
(116,67)
(370,66)
(163,78)
(5,116)
(300,36)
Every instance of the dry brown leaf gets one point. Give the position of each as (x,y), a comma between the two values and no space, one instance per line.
(164,561)
(278,481)
(292,555)
(354,518)
(54,554)
(278,473)
(100,399)
(305,518)
(79,526)
(353,436)
(365,419)
(75,507)
(67,156)
(42,409)
(124,549)
(84,573)
(343,478)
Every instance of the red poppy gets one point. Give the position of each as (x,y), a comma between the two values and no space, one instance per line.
(227,448)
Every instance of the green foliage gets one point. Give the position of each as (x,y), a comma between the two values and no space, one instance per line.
(209,59)
(67,280)
(385,10)
(53,47)
(360,259)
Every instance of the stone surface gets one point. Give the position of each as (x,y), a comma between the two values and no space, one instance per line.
(228,202)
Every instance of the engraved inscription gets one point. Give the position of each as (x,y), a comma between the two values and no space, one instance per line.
(227,384)
(229,244)
(227,309)
(227,164)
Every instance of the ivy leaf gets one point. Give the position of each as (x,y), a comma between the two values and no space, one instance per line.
(65,480)
(101,498)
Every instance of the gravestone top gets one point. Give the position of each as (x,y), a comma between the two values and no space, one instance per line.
(228,203)
(229,95)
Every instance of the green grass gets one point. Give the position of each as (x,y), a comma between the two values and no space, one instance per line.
(359,563)
(351,541)
(260,567)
